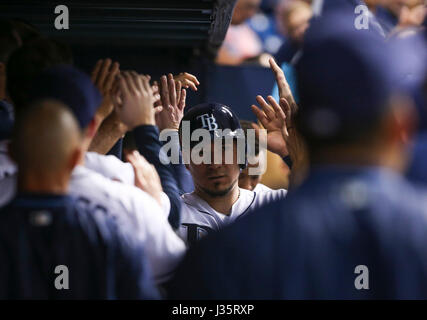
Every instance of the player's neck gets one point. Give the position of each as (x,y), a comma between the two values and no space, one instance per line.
(222,204)
(45,184)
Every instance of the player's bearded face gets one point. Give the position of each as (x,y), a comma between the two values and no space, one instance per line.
(216,179)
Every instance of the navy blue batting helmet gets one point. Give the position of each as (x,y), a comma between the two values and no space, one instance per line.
(218,119)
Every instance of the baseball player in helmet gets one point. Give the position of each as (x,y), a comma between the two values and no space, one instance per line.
(217,199)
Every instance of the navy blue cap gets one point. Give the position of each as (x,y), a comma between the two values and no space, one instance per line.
(70,86)
(213,117)
(346,76)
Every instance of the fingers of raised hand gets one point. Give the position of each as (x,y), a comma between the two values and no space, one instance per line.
(111,76)
(181,104)
(96,69)
(104,70)
(123,85)
(260,115)
(188,80)
(266,108)
(137,80)
(164,91)
(172,92)
(284,105)
(130,82)
(278,72)
(155,87)
(158,109)
(277,109)
(102,73)
(178,87)
(145,85)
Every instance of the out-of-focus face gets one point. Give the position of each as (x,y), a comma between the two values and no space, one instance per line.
(396,6)
(216,179)
(249,182)
(244,10)
(297,23)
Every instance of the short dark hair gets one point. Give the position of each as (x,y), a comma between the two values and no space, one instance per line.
(27,62)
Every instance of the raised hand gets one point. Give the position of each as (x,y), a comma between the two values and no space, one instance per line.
(134,100)
(146,177)
(283,139)
(103,76)
(273,119)
(284,88)
(294,142)
(187,80)
(172,97)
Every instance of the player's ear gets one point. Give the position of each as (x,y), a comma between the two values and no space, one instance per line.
(403,119)
(75,157)
(91,128)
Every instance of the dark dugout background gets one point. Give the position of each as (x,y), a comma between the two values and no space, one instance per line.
(153,37)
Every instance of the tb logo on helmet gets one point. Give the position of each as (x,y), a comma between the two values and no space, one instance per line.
(208,121)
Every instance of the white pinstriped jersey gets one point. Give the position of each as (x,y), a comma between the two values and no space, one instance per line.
(198,218)
(262,188)
(138,213)
(110,166)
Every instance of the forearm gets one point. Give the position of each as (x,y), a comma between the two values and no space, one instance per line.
(149,145)
(181,174)
(109,132)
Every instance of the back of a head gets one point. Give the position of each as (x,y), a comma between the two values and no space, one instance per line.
(70,86)
(45,137)
(27,62)
(346,78)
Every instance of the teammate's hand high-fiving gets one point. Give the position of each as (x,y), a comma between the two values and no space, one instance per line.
(273,119)
(146,176)
(103,76)
(134,100)
(172,95)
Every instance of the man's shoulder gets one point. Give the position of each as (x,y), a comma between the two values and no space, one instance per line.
(53,211)
(264,196)
(194,207)
(125,202)
(110,167)
(87,182)
(263,190)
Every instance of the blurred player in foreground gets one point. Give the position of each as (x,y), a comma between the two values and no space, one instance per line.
(42,228)
(136,208)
